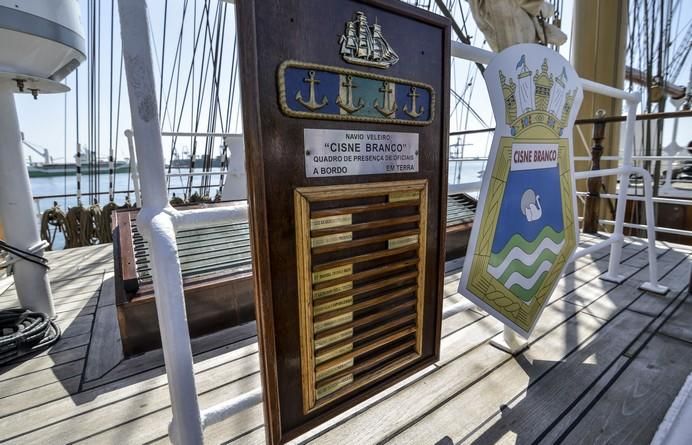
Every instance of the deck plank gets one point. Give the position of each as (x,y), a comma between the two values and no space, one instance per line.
(593,392)
(153,406)
(38,364)
(443,415)
(38,379)
(452,348)
(452,418)
(217,343)
(589,325)
(633,407)
(73,326)
(533,410)
(123,399)
(106,350)
(680,324)
(13,407)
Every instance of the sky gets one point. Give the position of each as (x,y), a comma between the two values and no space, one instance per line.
(51,120)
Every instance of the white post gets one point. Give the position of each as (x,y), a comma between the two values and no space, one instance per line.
(613,274)
(510,341)
(156,224)
(651,285)
(133,166)
(235,185)
(17,210)
(672,149)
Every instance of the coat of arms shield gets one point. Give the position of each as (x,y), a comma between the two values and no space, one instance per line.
(526,225)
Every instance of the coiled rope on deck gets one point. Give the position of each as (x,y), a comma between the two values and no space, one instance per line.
(23,332)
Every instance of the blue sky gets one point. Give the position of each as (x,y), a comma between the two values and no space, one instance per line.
(50,121)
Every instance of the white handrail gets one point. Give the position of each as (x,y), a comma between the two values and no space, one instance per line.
(684,202)
(199,134)
(638,158)
(193,174)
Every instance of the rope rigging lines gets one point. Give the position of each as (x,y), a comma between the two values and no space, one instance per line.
(197,83)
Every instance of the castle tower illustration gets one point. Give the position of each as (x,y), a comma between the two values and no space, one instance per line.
(569,100)
(544,84)
(508,91)
(542,98)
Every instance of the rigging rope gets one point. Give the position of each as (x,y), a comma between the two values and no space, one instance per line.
(111,160)
(163,56)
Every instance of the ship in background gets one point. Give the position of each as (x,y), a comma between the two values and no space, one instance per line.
(87,159)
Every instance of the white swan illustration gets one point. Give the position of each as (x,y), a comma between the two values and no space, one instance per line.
(531,205)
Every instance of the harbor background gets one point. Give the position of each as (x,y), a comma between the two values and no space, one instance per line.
(63,189)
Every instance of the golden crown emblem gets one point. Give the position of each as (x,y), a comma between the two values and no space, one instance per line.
(540,99)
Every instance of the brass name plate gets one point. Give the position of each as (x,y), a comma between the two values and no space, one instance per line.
(332,274)
(330,221)
(401,242)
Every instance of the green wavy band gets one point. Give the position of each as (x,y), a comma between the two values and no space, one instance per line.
(526,295)
(527,246)
(523,269)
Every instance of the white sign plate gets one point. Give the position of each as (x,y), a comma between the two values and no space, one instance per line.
(351,152)
(533,156)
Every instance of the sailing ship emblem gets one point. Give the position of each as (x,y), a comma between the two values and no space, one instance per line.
(365,45)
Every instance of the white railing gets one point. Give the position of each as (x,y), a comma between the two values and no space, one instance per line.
(510,341)
(667,193)
(615,241)
(158,223)
(133,157)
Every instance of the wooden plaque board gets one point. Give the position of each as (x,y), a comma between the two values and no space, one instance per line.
(348,250)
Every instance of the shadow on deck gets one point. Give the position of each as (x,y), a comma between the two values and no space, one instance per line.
(605,362)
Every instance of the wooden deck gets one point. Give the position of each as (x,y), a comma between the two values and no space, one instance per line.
(605,363)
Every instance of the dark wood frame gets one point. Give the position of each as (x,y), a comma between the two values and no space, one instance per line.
(258,217)
(214,300)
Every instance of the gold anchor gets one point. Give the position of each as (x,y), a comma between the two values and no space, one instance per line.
(389,108)
(349,106)
(413,113)
(311,104)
